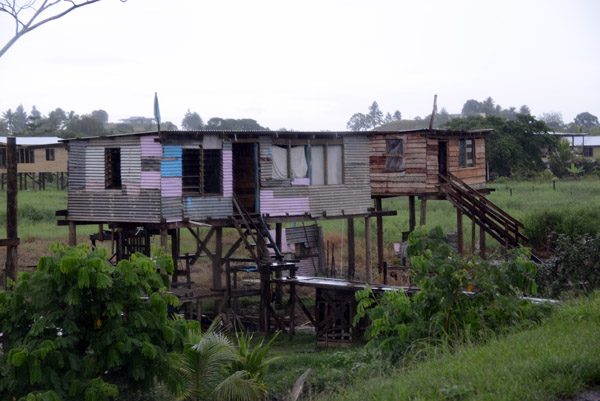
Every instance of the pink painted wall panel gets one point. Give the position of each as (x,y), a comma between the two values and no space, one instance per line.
(170,186)
(227,173)
(150,180)
(301,181)
(283,206)
(149,147)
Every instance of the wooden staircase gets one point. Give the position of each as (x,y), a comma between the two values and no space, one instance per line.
(258,241)
(496,222)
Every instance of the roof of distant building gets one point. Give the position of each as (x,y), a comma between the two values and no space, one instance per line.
(33,140)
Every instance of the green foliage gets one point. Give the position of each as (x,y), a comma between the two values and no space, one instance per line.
(79,328)
(253,359)
(514,145)
(575,267)
(210,368)
(544,226)
(561,158)
(457,297)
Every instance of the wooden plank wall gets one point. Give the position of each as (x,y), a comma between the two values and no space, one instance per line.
(41,165)
(473,176)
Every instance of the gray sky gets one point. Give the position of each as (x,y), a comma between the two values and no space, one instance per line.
(307,65)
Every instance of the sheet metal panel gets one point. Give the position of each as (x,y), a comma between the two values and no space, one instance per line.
(266,161)
(115,206)
(171,163)
(94,169)
(131,163)
(199,208)
(227,170)
(151,163)
(76,165)
(307,235)
(171,186)
(171,209)
(150,180)
(339,200)
(115,142)
(356,160)
(150,147)
(290,201)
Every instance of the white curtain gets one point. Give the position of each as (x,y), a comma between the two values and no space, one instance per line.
(299,167)
(316,165)
(280,170)
(334,164)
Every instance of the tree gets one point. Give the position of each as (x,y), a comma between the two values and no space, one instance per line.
(586,121)
(561,159)
(78,328)
(388,118)
(192,121)
(471,108)
(524,109)
(513,146)
(358,122)
(56,119)
(28,15)
(100,115)
(553,120)
(17,120)
(375,116)
(397,115)
(85,125)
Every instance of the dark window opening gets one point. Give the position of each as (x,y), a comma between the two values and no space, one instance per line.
(394,152)
(49,154)
(25,156)
(588,151)
(112,168)
(2,157)
(201,171)
(466,153)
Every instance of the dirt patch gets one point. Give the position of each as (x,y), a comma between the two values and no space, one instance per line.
(587,395)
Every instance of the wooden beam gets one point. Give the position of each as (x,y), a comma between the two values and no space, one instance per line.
(278,273)
(351,251)
(459,231)
(368,258)
(218,265)
(423,220)
(72,233)
(412,218)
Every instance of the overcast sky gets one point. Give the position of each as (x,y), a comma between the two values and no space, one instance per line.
(307,65)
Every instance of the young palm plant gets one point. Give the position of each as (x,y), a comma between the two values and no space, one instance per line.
(205,366)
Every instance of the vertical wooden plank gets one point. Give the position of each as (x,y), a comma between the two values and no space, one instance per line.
(164,240)
(379,207)
(11,209)
(217,265)
(423,220)
(368,261)
(351,253)
(412,218)
(72,233)
(459,231)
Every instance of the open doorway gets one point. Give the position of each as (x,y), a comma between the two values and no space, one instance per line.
(245,174)
(443,158)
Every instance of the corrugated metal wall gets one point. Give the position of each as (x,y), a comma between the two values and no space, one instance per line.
(76,166)
(216,207)
(266,162)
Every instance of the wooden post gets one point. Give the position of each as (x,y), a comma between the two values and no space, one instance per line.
(379,208)
(459,231)
(175,252)
(11,209)
(164,240)
(412,218)
(57,184)
(423,212)
(72,233)
(25,178)
(351,253)
(217,266)
(368,261)
(482,242)
(278,273)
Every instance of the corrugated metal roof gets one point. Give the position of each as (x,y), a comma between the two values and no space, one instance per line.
(33,140)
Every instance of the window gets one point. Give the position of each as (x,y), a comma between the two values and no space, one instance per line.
(201,171)
(50,154)
(588,151)
(25,156)
(394,152)
(112,168)
(322,164)
(2,157)
(466,153)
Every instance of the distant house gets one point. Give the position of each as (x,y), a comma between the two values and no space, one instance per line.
(36,155)
(582,143)
(137,120)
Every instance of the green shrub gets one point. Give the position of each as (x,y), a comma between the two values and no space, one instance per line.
(457,297)
(79,328)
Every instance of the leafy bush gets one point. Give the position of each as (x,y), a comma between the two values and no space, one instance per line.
(457,297)
(543,227)
(78,328)
(575,267)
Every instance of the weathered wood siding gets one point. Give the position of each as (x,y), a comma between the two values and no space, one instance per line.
(473,176)
(414,178)
(298,198)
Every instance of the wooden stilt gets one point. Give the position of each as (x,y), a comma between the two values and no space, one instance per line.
(164,240)
(278,274)
(11,210)
(218,266)
(379,208)
(412,218)
(368,261)
(57,182)
(72,233)
(423,212)
(351,253)
(459,231)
